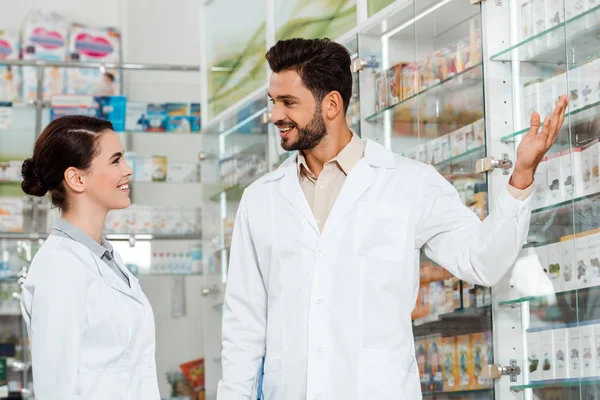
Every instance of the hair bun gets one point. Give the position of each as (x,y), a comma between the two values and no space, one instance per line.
(32,184)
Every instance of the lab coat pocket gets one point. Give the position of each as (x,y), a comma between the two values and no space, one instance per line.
(272,387)
(381,231)
(388,375)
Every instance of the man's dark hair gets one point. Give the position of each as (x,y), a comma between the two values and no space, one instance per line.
(323,65)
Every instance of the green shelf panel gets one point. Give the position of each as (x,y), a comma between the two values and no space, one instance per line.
(557,383)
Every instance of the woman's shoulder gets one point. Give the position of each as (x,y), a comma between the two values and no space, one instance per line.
(59,256)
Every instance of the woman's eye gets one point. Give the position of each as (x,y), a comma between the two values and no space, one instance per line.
(117,160)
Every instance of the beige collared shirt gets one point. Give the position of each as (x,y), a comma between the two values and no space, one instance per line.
(322,191)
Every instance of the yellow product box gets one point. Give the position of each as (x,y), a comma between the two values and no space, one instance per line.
(421,351)
(480,359)
(159,168)
(450,364)
(422,306)
(435,361)
(465,362)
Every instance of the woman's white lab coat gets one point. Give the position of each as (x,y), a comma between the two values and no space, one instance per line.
(91,336)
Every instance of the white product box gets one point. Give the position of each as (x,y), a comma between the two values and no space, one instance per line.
(446,147)
(582,266)
(541,251)
(144,219)
(114,223)
(554,179)
(423,154)
(11,223)
(593,254)
(555,15)
(534,356)
(574,356)
(11,206)
(182,172)
(574,8)
(526,19)
(136,117)
(593,19)
(587,351)
(546,100)
(10,76)
(478,134)
(577,171)
(567,264)
(540,185)
(539,16)
(590,82)
(597,347)
(459,140)
(566,173)
(191,220)
(531,101)
(575,82)
(555,270)
(143,169)
(589,169)
(436,148)
(128,215)
(159,223)
(172,221)
(547,351)
(561,352)
(559,88)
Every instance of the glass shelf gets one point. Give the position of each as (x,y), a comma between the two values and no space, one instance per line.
(454,322)
(110,236)
(556,383)
(457,82)
(577,200)
(461,159)
(511,138)
(582,45)
(456,393)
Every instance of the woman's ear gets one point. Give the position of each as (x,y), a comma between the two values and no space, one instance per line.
(74,180)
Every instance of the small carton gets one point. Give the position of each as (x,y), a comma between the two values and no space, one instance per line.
(534,367)
(136,118)
(540,184)
(566,173)
(574,355)
(410,81)
(597,348)
(459,140)
(144,219)
(546,101)
(561,352)
(394,81)
(531,101)
(546,352)
(589,167)
(435,360)
(196,117)
(554,178)
(450,364)
(555,15)
(422,354)
(480,360)
(380,92)
(178,118)
(526,19)
(554,252)
(574,8)
(587,351)
(157,117)
(577,172)
(575,87)
(113,109)
(465,362)
(593,257)
(567,260)
(582,267)
(478,134)
(159,168)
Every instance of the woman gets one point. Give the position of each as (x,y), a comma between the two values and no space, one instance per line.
(91,328)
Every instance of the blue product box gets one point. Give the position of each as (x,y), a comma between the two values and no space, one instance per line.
(157,117)
(113,109)
(136,119)
(63,105)
(196,117)
(178,117)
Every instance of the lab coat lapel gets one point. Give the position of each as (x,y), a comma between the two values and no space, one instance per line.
(289,187)
(112,280)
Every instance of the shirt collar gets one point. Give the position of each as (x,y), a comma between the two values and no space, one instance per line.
(346,159)
(81,237)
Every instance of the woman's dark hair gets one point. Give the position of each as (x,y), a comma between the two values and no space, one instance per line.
(323,65)
(66,142)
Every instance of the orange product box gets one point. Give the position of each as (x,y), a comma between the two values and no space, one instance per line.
(452,291)
(450,364)
(394,81)
(465,362)
(194,373)
(422,306)
(421,351)
(480,359)
(410,81)
(435,360)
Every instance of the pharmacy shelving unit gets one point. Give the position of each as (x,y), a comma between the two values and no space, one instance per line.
(136,247)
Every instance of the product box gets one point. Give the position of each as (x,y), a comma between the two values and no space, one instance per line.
(546,339)
(567,178)
(593,256)
(144,219)
(452,289)
(540,184)
(465,362)
(468,295)
(587,350)
(159,216)
(196,117)
(10,75)
(63,105)
(113,109)
(90,44)
(172,221)
(575,85)
(559,88)
(394,81)
(589,169)
(157,117)
(478,134)
(534,367)
(567,261)
(136,118)
(480,361)
(539,16)
(597,348)
(555,15)
(459,140)
(423,155)
(590,82)
(44,38)
(463,55)
(476,44)
(191,220)
(410,80)
(450,365)
(424,74)
(380,92)
(582,267)
(159,168)
(143,169)
(592,19)
(178,117)
(11,206)
(561,352)
(435,360)
(422,354)
(436,298)
(546,102)
(182,172)
(577,172)
(554,253)
(422,306)
(446,147)
(574,359)
(554,177)
(531,101)
(526,19)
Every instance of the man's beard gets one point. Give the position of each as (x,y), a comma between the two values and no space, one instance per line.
(309,136)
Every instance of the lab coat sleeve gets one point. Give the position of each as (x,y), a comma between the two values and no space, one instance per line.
(453,236)
(55,312)
(244,316)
